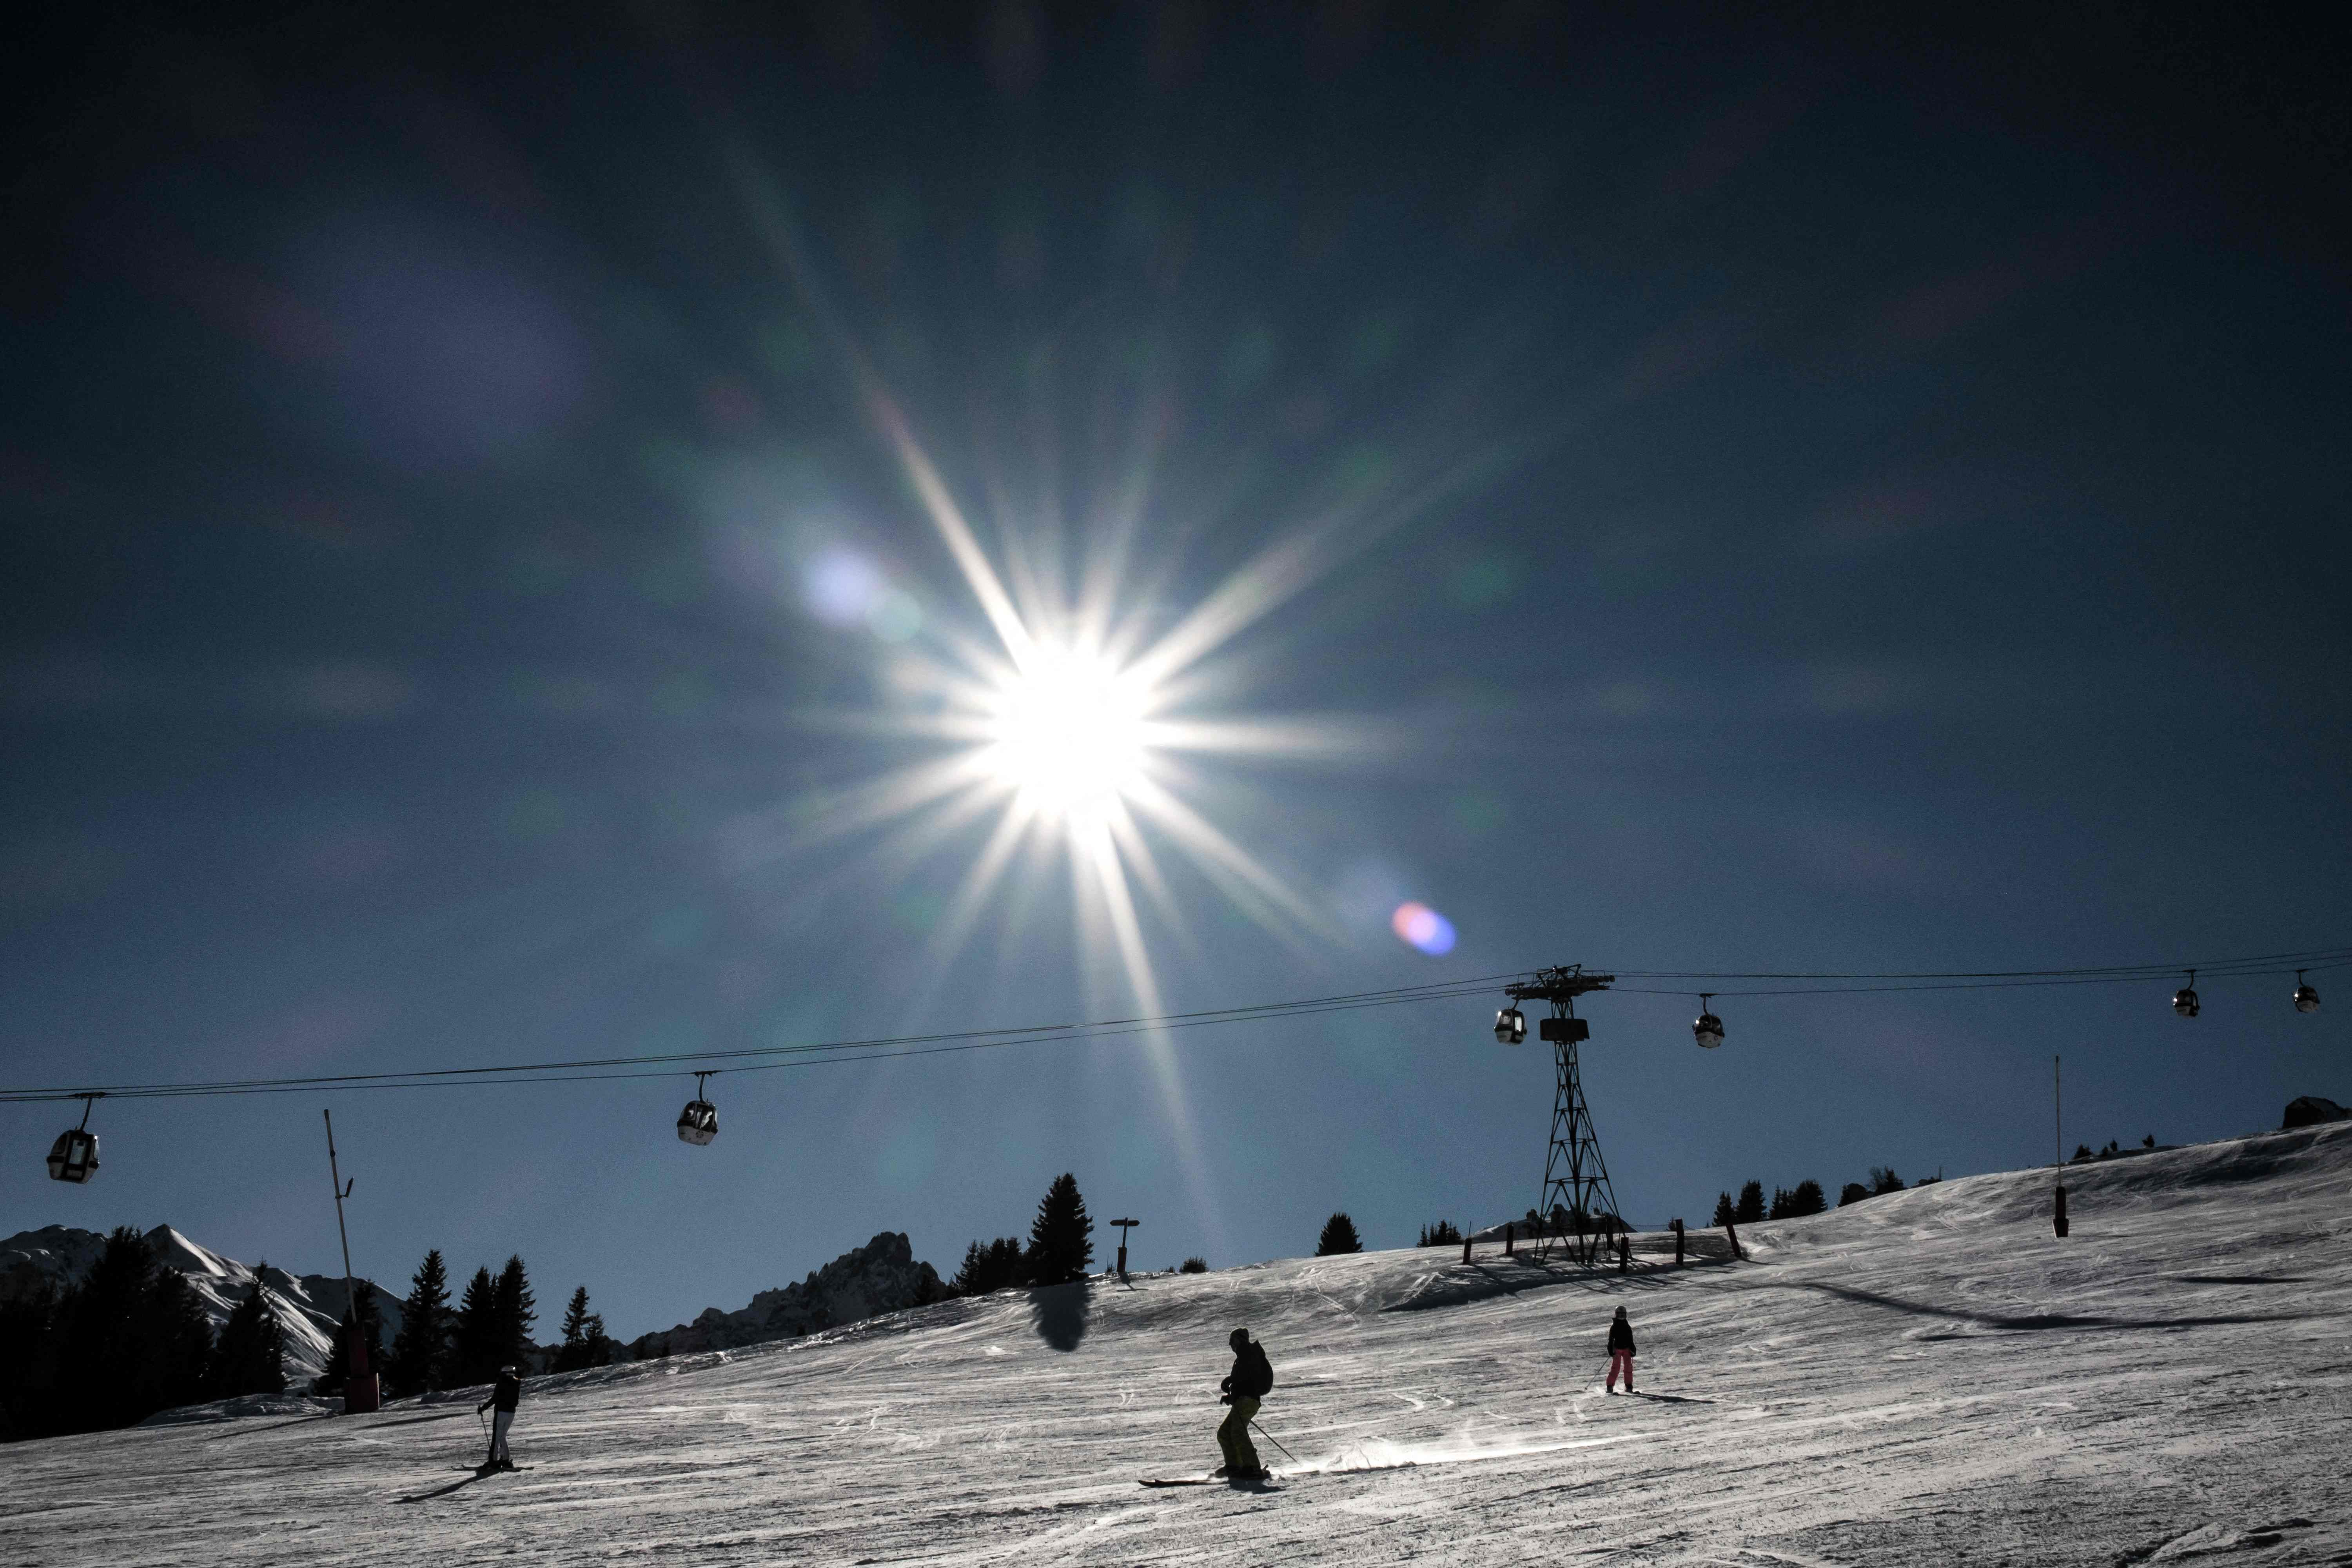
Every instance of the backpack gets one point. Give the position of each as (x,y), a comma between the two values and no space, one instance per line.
(1254,1378)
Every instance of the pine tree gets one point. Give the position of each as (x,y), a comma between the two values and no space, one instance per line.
(513,1313)
(251,1356)
(131,1339)
(584,1343)
(178,1340)
(1751,1207)
(1338,1236)
(98,1323)
(270,1351)
(1805,1198)
(1723,1211)
(1851,1193)
(420,1351)
(1442,1234)
(990,1265)
(474,1349)
(1883,1180)
(27,1364)
(1060,1244)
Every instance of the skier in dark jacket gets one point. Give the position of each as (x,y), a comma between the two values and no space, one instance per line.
(1248,1384)
(1620,1351)
(505,1396)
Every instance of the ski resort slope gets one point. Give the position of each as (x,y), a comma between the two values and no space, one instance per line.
(1926,1377)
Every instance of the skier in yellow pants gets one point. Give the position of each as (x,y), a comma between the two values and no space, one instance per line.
(1245,1387)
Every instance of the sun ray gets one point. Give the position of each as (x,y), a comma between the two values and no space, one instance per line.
(774,223)
(841,813)
(1224,860)
(1159,1049)
(1136,850)
(1299,738)
(1296,562)
(961,916)
(1106,567)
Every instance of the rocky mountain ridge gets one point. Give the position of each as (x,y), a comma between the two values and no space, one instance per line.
(882,1275)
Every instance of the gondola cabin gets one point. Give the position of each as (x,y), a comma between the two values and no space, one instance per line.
(699,1123)
(74,1156)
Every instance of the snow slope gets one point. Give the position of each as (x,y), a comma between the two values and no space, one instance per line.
(1927,1377)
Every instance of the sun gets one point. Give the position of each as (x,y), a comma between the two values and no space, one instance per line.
(1070,732)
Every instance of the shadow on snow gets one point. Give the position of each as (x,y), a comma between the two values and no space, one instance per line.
(2029,1322)
(1059,1312)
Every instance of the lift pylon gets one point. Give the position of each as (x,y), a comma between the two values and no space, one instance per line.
(1579,1207)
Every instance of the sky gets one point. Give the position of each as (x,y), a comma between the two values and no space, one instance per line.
(686,530)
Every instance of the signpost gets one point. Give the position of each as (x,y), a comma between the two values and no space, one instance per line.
(1124,1226)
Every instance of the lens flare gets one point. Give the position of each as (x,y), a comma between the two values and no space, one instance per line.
(842,587)
(1418,925)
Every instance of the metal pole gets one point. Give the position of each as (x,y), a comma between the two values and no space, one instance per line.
(335,1181)
(1275,1441)
(2058,1147)
(360,1393)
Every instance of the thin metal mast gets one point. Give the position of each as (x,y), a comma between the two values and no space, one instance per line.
(335,1181)
(362,1393)
(1576,1191)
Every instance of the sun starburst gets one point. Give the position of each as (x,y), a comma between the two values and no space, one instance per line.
(1072,733)
(1087,727)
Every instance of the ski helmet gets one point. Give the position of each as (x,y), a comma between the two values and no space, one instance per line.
(1620,1311)
(1238,1338)
(509,1371)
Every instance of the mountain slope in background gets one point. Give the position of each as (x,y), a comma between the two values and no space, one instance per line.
(1927,1377)
(306,1307)
(864,1282)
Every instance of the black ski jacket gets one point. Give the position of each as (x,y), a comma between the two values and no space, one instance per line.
(507,1395)
(1620,1336)
(1253,1374)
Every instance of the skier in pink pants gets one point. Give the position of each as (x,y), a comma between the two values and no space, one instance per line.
(1621,1352)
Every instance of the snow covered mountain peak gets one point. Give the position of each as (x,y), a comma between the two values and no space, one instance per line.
(306,1307)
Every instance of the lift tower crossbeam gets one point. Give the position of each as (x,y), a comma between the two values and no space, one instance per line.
(1576,1191)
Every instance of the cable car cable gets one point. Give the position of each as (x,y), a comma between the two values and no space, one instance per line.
(761,1058)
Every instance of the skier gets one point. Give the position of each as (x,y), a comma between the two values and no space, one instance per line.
(1620,1351)
(1249,1383)
(505,1396)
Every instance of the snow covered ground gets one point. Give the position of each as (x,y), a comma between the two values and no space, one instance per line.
(1927,1377)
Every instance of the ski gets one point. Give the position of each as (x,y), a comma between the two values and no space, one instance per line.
(1260,1484)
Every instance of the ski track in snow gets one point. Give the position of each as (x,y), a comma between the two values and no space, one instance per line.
(1927,1377)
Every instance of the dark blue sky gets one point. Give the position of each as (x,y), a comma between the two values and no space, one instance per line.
(1820,495)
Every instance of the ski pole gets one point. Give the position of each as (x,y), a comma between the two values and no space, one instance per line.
(1275,1440)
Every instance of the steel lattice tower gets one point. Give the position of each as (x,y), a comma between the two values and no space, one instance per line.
(1576,1191)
